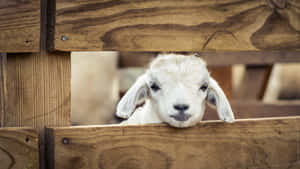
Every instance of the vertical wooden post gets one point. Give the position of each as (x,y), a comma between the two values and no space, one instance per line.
(3,90)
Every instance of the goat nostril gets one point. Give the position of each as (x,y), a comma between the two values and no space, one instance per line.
(181,107)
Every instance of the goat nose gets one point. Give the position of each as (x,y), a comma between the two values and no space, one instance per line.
(181,107)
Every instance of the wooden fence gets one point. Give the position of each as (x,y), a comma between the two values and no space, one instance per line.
(37,36)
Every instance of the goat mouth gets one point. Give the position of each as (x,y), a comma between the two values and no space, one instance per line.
(181,117)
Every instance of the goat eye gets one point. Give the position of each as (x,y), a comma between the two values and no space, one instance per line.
(204,87)
(154,87)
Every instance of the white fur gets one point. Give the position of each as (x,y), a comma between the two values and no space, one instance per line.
(179,78)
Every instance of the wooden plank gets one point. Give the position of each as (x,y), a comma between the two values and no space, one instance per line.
(19,26)
(256,109)
(39,89)
(258,143)
(19,148)
(170,25)
(219,58)
(254,82)
(3,89)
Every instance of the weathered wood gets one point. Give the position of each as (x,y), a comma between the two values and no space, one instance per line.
(3,89)
(39,89)
(170,25)
(219,58)
(256,109)
(265,143)
(19,148)
(254,82)
(19,26)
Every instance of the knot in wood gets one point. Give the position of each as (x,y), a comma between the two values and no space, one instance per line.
(278,4)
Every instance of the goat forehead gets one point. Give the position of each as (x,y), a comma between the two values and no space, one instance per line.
(174,68)
(173,79)
(180,73)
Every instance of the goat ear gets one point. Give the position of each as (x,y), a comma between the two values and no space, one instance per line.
(127,104)
(216,97)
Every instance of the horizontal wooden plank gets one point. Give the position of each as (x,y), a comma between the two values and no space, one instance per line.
(171,25)
(19,26)
(220,58)
(264,143)
(256,109)
(19,148)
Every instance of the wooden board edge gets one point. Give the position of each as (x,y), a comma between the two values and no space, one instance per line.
(203,123)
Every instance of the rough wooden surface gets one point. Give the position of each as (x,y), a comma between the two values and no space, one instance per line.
(257,109)
(219,58)
(19,148)
(254,82)
(19,26)
(39,89)
(171,25)
(269,143)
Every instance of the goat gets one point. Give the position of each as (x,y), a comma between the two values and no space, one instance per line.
(174,88)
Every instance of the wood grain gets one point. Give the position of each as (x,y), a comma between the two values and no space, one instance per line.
(217,58)
(257,109)
(263,143)
(19,26)
(172,25)
(19,148)
(39,89)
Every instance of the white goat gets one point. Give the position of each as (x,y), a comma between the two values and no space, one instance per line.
(175,88)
